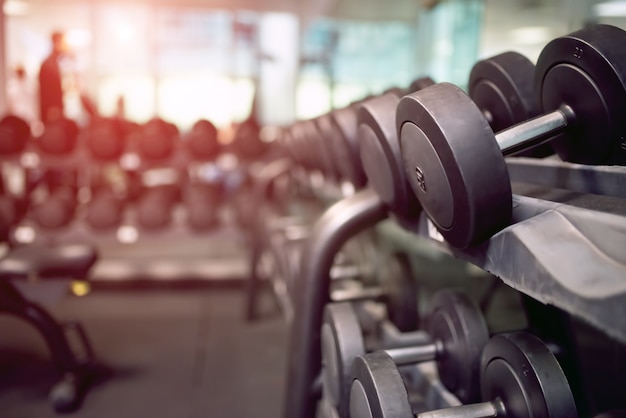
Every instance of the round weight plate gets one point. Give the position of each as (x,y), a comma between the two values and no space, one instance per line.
(347,146)
(157,140)
(347,168)
(420,83)
(295,144)
(315,148)
(521,371)
(502,87)
(454,164)
(59,137)
(105,141)
(401,292)
(57,210)
(378,390)
(587,71)
(342,342)
(457,324)
(202,140)
(154,209)
(324,143)
(14,133)
(380,155)
(104,211)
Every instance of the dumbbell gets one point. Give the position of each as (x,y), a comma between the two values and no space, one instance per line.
(201,204)
(157,140)
(455,161)
(247,143)
(14,134)
(395,287)
(202,143)
(454,337)
(59,137)
(106,140)
(105,210)
(58,209)
(500,86)
(519,378)
(155,206)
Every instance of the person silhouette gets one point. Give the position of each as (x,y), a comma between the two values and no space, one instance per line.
(50,81)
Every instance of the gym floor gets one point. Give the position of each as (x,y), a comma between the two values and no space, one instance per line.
(169,342)
(184,352)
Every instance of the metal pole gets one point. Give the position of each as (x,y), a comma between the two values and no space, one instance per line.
(340,222)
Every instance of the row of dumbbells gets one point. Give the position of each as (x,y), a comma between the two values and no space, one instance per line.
(153,209)
(436,150)
(108,139)
(443,141)
(369,371)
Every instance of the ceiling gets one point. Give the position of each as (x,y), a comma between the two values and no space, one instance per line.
(403,10)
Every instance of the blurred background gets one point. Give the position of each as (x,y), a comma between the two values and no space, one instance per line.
(191,59)
(242,65)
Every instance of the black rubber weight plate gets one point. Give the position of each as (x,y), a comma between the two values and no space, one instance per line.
(586,70)
(502,86)
(454,164)
(342,342)
(380,151)
(378,390)
(521,371)
(457,323)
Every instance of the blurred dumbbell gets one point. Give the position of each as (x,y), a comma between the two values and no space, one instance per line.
(202,143)
(59,137)
(12,209)
(155,207)
(105,210)
(519,378)
(394,286)
(454,336)
(14,135)
(58,209)
(201,205)
(157,140)
(105,140)
(247,142)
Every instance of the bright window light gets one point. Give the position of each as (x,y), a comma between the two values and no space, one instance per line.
(15,8)
(531,35)
(611,9)
(138,92)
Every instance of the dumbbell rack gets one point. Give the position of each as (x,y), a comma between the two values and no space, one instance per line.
(565,246)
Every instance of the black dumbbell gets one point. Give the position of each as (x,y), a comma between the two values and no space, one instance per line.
(455,161)
(59,137)
(394,286)
(14,135)
(519,378)
(155,207)
(157,140)
(106,139)
(455,335)
(501,88)
(105,210)
(58,209)
(201,205)
(202,142)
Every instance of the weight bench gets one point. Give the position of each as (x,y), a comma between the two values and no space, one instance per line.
(38,262)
